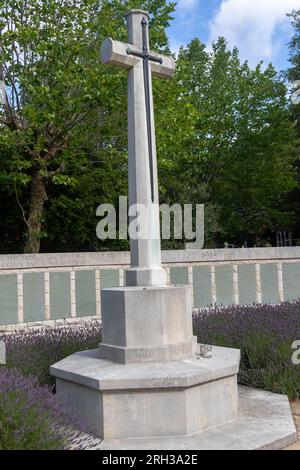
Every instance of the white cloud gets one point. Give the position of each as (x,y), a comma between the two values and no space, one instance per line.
(186,5)
(185,15)
(174,45)
(251,25)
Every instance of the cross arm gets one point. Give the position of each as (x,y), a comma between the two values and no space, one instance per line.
(164,70)
(116,53)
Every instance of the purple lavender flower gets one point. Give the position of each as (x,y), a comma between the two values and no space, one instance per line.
(33,352)
(31,418)
(264,334)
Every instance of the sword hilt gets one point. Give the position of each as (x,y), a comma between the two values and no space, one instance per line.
(144,55)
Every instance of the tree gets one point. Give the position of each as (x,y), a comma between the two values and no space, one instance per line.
(237,158)
(224,133)
(293,75)
(62,109)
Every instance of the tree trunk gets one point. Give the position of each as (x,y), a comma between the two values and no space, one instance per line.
(38,198)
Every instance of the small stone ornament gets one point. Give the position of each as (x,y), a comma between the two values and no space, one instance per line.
(206,351)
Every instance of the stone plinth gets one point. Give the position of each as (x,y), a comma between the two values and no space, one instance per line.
(146,277)
(178,398)
(264,422)
(147,324)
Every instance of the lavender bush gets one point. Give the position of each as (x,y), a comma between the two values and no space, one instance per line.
(33,352)
(30,417)
(264,334)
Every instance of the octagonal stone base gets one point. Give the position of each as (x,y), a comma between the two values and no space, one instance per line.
(264,422)
(157,399)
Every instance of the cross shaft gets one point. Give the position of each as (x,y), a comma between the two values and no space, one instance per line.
(146,56)
(146,269)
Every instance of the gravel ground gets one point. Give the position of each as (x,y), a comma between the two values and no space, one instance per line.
(296,412)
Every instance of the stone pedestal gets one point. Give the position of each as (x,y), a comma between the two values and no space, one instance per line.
(147,378)
(158,399)
(147,324)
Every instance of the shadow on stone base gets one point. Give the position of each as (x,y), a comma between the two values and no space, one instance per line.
(264,422)
(149,400)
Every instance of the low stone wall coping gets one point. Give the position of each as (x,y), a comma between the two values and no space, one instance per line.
(122,258)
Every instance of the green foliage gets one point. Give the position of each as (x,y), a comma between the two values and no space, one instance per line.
(224,133)
(31,417)
(65,112)
(12,419)
(234,153)
(293,74)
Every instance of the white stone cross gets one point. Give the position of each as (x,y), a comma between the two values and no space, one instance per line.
(146,268)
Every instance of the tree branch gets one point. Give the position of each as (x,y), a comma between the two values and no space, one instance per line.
(20,205)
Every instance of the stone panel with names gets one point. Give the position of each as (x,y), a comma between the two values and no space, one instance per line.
(247,284)
(202,286)
(60,295)
(34,297)
(179,275)
(291,281)
(109,278)
(224,285)
(8,299)
(85,293)
(269,283)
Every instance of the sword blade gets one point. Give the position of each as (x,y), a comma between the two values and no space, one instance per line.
(148,104)
(149,124)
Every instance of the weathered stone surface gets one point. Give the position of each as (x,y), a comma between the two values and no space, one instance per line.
(122,258)
(146,400)
(86,368)
(164,353)
(264,422)
(114,53)
(145,250)
(145,277)
(147,324)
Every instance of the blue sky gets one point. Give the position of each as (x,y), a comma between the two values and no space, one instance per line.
(259,28)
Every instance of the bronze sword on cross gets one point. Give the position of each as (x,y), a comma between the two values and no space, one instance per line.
(147,56)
